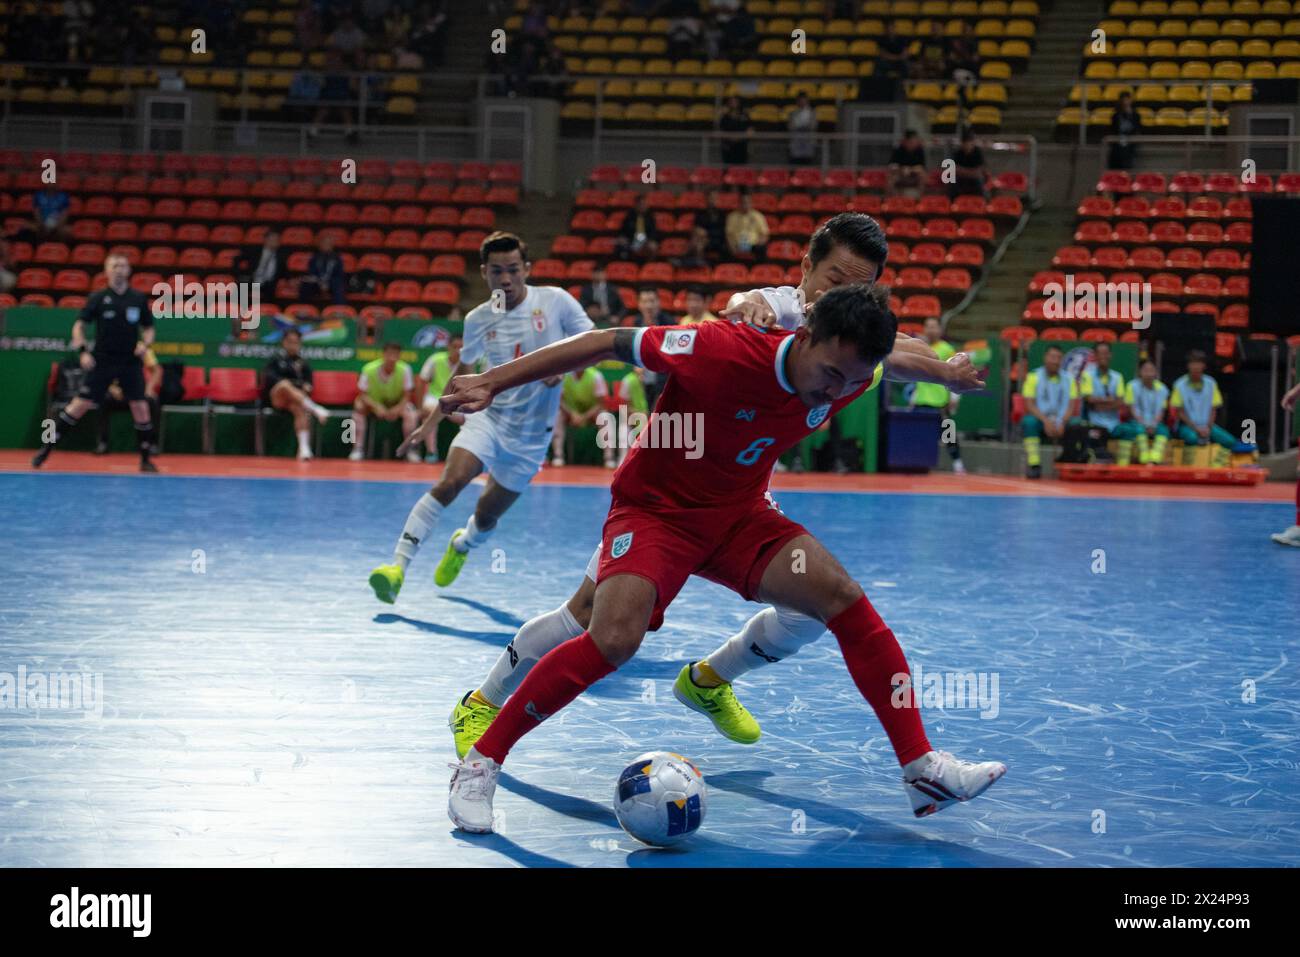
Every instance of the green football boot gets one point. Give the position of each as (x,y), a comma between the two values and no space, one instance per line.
(719,705)
(469,719)
(386,580)
(452,562)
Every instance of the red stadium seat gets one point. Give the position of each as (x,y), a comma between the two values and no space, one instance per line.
(1059,334)
(921,307)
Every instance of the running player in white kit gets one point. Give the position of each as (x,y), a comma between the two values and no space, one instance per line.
(510,439)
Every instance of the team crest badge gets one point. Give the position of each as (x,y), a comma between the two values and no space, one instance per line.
(539,320)
(679,343)
(818,415)
(132,314)
(621,545)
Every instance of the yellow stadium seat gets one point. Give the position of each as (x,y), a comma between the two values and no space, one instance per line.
(1185,95)
(774,46)
(618,89)
(223,79)
(1268,29)
(1184,8)
(1100,117)
(1069,117)
(873,28)
(1111,92)
(1114,28)
(1171,117)
(1164,70)
(1242,92)
(1014,50)
(774,90)
(62,95)
(119,98)
(648,89)
(1286,50)
(679,90)
(93,98)
(876,8)
(1215,8)
(102,76)
(593,44)
(1275,8)
(1257,50)
(1172,28)
(990,94)
(1261,71)
(944,119)
(195,78)
(1219,49)
(1221,93)
(1123,8)
(966,9)
(577,111)
(281,38)
(844,68)
(1151,94)
(994,8)
(671,113)
(599,64)
(926,93)
(1099,71)
(990,28)
(1094,93)
(1197,49)
(688,68)
(780,68)
(567,44)
(612,112)
(1228,70)
(136,76)
(866,49)
(260,58)
(709,90)
(289,59)
(986,48)
(658,67)
(32,94)
(1289,70)
(1205,28)
(404,83)
(995,70)
(279,81)
(700,113)
(1131,49)
(830,49)
(1024,29)
(1195,70)
(1141,28)
(906,8)
(604,25)
(810,68)
(628,67)
(513,24)
(1162,48)
(639,113)
(1024,8)
(1132,71)
(623,45)
(765,113)
(574,23)
(171,55)
(658,25)
(750,68)
(760,8)
(839,28)
(652,46)
(1245,8)
(781,27)
(1291,28)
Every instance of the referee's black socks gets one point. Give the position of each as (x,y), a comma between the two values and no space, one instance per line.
(63,424)
(144,433)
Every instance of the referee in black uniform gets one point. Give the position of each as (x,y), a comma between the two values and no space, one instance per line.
(123,331)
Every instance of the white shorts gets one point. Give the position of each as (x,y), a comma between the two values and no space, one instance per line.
(512,463)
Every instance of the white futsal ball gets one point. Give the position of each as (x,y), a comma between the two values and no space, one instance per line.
(660,798)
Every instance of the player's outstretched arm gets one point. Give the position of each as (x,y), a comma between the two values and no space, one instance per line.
(959,375)
(433,418)
(473,393)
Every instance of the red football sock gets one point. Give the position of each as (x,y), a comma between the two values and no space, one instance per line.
(1297,502)
(873,657)
(562,674)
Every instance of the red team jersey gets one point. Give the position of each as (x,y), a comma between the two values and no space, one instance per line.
(674,515)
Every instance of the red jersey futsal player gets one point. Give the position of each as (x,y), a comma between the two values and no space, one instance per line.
(674,515)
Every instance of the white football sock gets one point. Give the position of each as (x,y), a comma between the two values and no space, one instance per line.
(313,407)
(304,441)
(424,515)
(535,638)
(473,537)
(772,634)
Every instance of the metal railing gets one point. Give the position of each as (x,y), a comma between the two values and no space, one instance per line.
(1194,150)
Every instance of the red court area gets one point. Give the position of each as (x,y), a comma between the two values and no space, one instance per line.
(935,483)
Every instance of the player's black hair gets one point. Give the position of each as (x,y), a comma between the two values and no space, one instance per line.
(391,344)
(1098,345)
(857,232)
(699,291)
(502,242)
(1053,346)
(292,331)
(855,313)
(1196,355)
(1146,362)
(653,289)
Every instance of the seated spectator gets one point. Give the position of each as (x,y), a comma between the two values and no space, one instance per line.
(50,214)
(264,264)
(286,385)
(638,235)
(396,25)
(582,396)
(1102,391)
(802,125)
(747,231)
(432,381)
(1051,403)
(893,60)
(429,36)
(115,401)
(337,98)
(907,166)
(648,311)
(1146,399)
(348,39)
(969,168)
(734,119)
(599,297)
(8,278)
(697,255)
(739,34)
(963,51)
(685,34)
(714,223)
(325,276)
(385,390)
(697,307)
(1124,122)
(933,60)
(1198,400)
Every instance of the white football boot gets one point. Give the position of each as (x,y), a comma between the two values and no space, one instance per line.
(469,803)
(937,779)
(1290,537)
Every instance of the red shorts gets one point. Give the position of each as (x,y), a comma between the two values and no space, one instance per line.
(731,546)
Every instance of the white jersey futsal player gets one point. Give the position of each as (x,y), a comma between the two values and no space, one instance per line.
(509,440)
(848,248)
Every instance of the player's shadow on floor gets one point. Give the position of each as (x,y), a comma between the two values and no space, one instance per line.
(496,614)
(898,845)
(567,804)
(508,848)
(498,638)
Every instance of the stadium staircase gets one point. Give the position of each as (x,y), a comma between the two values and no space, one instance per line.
(449,102)
(1041,91)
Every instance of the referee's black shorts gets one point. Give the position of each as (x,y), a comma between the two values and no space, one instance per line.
(127,371)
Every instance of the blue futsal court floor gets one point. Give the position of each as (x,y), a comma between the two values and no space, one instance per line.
(260,707)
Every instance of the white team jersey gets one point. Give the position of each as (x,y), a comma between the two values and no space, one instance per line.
(787,302)
(546,315)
